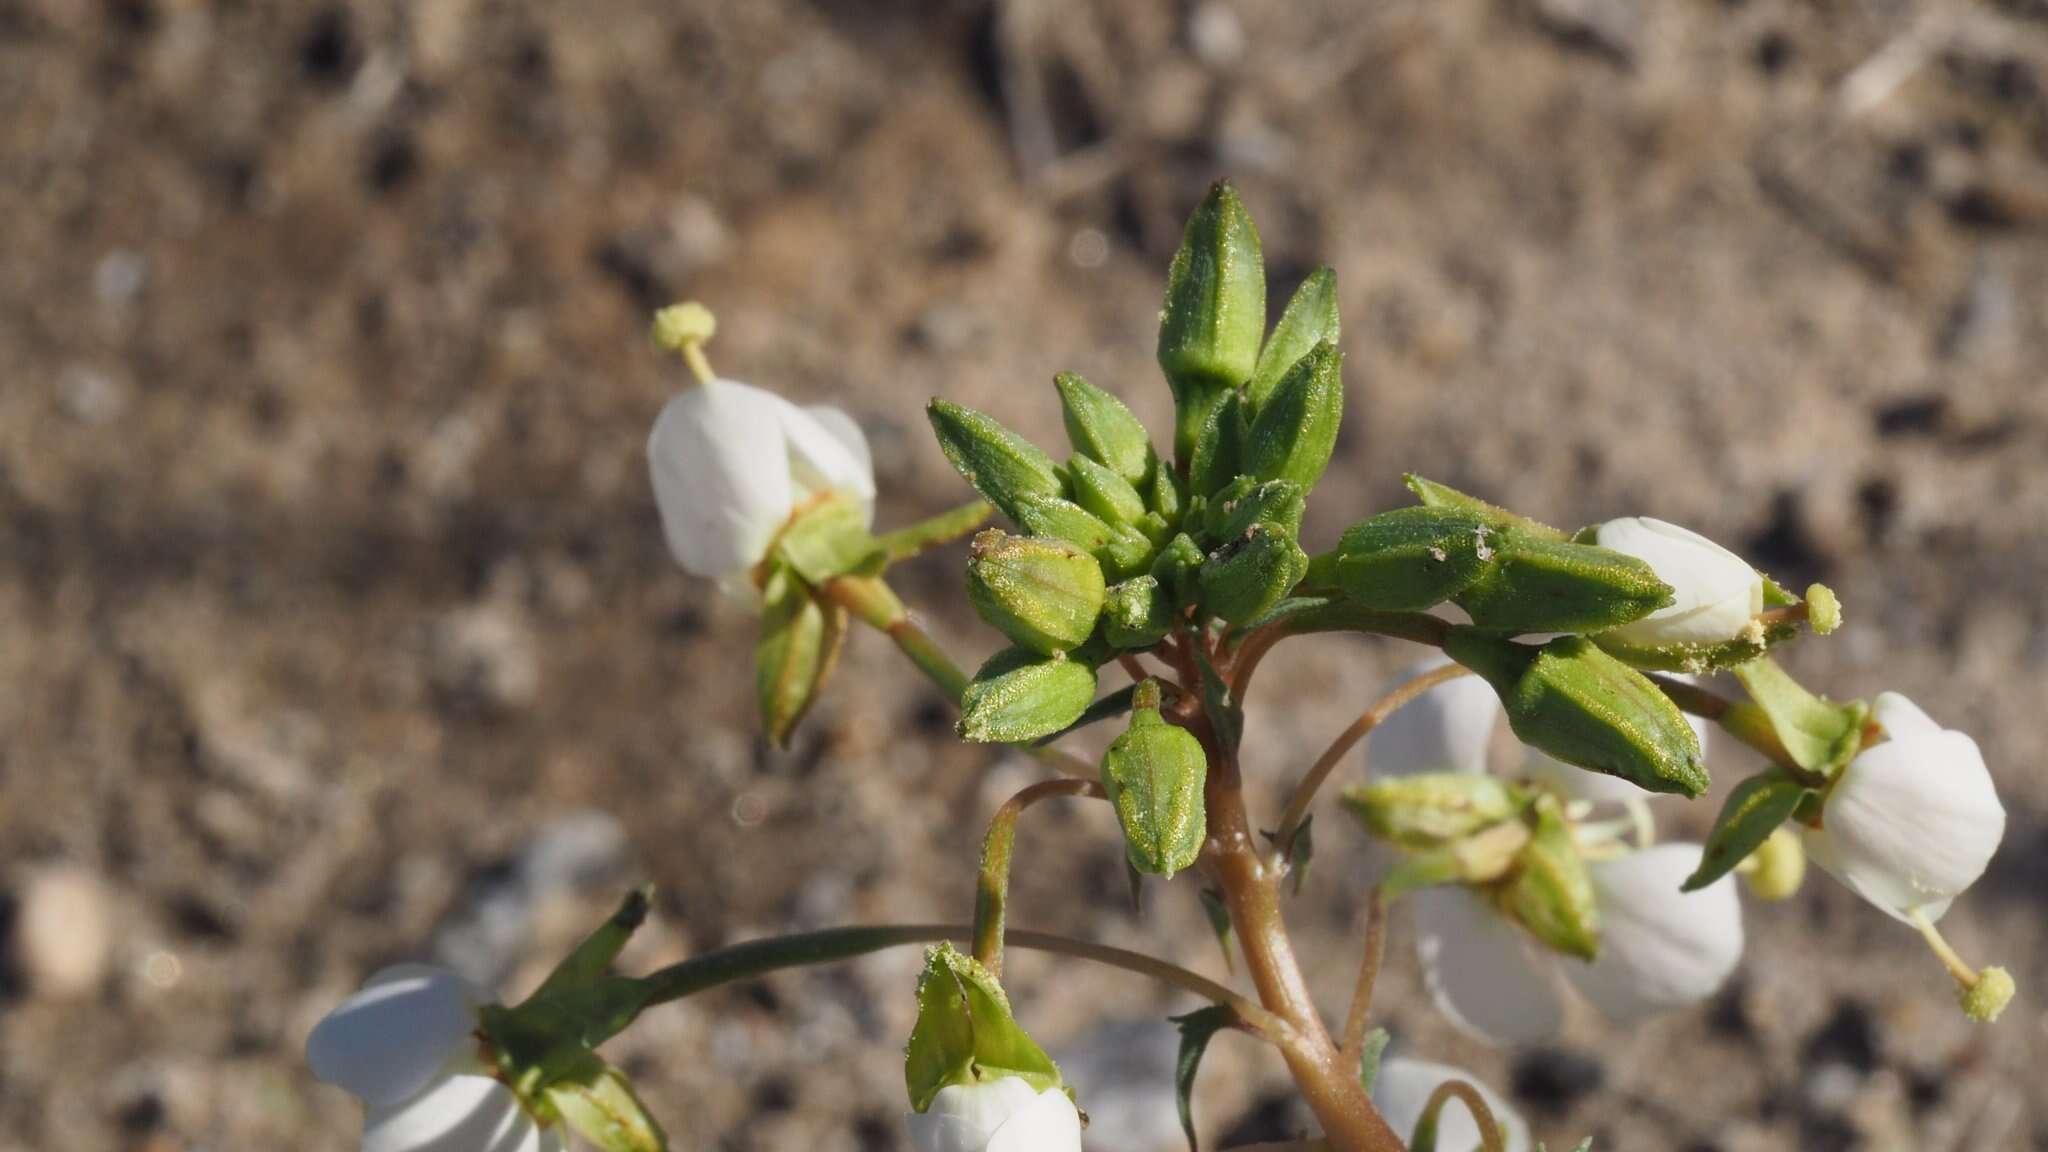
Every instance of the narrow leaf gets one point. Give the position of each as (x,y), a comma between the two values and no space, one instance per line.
(1196,1030)
(1754,809)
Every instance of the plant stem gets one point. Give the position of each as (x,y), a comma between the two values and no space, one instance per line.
(925,535)
(1305,792)
(1334,616)
(753,958)
(992,886)
(1490,1137)
(1368,975)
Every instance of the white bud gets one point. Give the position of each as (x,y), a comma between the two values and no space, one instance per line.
(1403,1088)
(1660,948)
(1715,593)
(731,463)
(1913,820)
(1005,1115)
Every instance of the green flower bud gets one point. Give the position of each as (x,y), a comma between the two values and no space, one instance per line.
(1177,568)
(1102,429)
(1296,428)
(1245,502)
(1435,495)
(1001,465)
(1572,700)
(1137,613)
(965,1032)
(1219,446)
(1019,695)
(1550,892)
(1121,549)
(1430,810)
(1251,573)
(1163,493)
(1103,493)
(1154,774)
(1538,585)
(1309,319)
(1410,559)
(1044,595)
(1215,312)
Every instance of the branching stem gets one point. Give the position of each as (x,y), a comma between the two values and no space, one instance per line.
(992,886)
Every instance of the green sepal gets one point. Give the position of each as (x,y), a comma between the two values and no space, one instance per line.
(592,959)
(965,1033)
(1218,912)
(1251,573)
(1102,492)
(1019,695)
(794,656)
(1043,594)
(545,1038)
(1697,659)
(1551,892)
(1101,428)
(1572,700)
(1820,734)
(1309,319)
(1537,585)
(1215,311)
(1435,495)
(1219,449)
(1197,1028)
(1295,431)
(1408,559)
(1137,613)
(1001,465)
(595,1100)
(1754,809)
(1432,809)
(1245,502)
(828,540)
(1154,775)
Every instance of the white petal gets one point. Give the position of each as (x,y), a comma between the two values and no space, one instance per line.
(1576,783)
(719,460)
(1483,971)
(1446,729)
(1050,1124)
(1715,593)
(388,1041)
(1912,822)
(964,1117)
(1900,717)
(1659,948)
(1403,1088)
(829,452)
(460,1113)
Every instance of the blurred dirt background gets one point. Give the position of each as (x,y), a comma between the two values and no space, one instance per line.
(336,627)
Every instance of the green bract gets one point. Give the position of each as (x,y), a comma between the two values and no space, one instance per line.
(1044,595)
(1020,695)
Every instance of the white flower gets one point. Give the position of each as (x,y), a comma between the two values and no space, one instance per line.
(406,1046)
(1005,1115)
(1913,820)
(1403,1088)
(1446,729)
(1715,593)
(731,463)
(1659,949)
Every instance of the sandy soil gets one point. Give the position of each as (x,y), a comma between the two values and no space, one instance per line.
(335,626)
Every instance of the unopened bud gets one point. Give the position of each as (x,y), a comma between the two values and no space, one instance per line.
(1102,492)
(1001,465)
(1136,613)
(1411,559)
(1245,502)
(1551,892)
(1295,430)
(1215,312)
(1429,810)
(1251,573)
(1019,695)
(1044,595)
(1102,429)
(1154,775)
(1539,585)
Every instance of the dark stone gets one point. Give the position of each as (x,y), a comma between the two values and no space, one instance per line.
(1553,1079)
(1849,1037)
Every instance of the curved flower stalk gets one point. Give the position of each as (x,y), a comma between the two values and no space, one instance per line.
(1404,1088)
(407,1046)
(1006,1115)
(1715,594)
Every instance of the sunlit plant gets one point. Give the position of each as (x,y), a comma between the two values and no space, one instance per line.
(1176,566)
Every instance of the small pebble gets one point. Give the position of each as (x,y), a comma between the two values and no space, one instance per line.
(64,932)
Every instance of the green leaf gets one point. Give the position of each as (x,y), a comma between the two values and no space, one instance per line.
(1215,311)
(597,1102)
(1018,696)
(1435,495)
(1369,1053)
(1820,734)
(1154,774)
(1001,465)
(1538,585)
(1101,428)
(1295,431)
(1309,319)
(1197,1028)
(1219,923)
(829,540)
(1043,594)
(799,643)
(1411,558)
(592,959)
(1551,893)
(965,1033)
(1753,810)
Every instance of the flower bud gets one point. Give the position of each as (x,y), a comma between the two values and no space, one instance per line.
(1120,549)
(1911,821)
(1136,613)
(1251,573)
(1537,585)
(1177,568)
(1215,311)
(966,1038)
(998,463)
(1163,493)
(1435,495)
(1572,700)
(1218,453)
(1106,495)
(1551,893)
(1102,429)
(1429,810)
(1245,502)
(1295,430)
(1044,595)
(1309,319)
(1019,695)
(1715,594)
(1154,774)
(1411,559)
